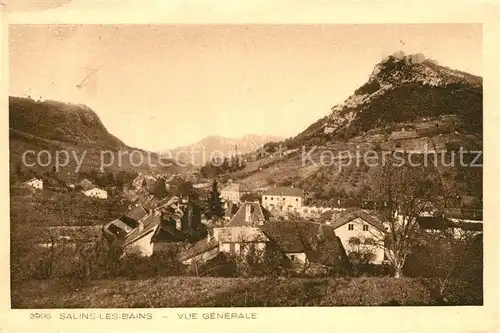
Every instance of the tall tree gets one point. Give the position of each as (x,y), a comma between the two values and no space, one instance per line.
(215,211)
(405,193)
(160,189)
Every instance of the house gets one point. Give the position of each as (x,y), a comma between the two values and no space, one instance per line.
(328,128)
(34,183)
(456,228)
(240,240)
(307,243)
(139,240)
(133,236)
(283,199)
(139,229)
(233,192)
(96,193)
(243,232)
(358,229)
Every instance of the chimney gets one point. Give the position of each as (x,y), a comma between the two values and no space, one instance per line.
(248,212)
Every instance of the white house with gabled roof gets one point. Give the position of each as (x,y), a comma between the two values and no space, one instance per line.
(35,183)
(283,199)
(96,193)
(358,229)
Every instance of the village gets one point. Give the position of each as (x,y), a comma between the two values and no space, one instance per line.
(245,166)
(313,240)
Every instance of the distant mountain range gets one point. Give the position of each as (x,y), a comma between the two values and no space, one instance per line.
(199,153)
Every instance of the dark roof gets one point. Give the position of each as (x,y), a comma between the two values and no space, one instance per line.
(137,213)
(151,223)
(86,184)
(433,222)
(258,216)
(285,191)
(317,241)
(198,248)
(332,215)
(168,233)
(232,208)
(441,223)
(351,214)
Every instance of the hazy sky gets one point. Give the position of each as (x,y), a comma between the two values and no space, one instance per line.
(161,86)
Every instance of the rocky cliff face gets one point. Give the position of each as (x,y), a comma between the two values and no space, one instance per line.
(406,88)
(409,103)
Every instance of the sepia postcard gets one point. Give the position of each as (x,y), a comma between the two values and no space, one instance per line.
(220,166)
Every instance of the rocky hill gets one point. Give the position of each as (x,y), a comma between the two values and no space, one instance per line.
(405,88)
(75,129)
(62,122)
(408,103)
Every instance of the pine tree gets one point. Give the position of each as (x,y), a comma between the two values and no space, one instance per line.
(160,190)
(214,203)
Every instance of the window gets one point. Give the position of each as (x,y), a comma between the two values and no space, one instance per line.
(265,198)
(292,257)
(283,199)
(297,199)
(350,227)
(365,228)
(272,198)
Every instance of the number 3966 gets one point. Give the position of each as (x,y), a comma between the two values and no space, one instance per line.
(39,315)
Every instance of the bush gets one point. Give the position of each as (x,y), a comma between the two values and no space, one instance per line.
(446,259)
(224,265)
(91,261)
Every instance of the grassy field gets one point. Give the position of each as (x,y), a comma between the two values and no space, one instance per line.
(237,292)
